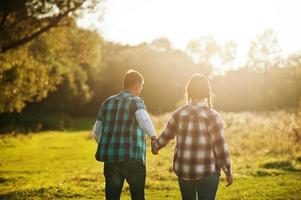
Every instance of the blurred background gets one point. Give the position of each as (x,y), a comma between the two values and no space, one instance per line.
(60,59)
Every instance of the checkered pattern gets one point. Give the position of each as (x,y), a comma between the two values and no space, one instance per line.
(200,144)
(122,137)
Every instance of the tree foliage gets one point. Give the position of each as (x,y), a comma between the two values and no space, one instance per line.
(30,72)
(41,48)
(21,21)
(206,50)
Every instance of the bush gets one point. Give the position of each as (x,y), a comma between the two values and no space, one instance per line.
(33,122)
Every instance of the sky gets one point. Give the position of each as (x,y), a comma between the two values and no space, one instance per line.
(136,21)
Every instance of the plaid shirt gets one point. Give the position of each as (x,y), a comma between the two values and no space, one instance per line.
(121,137)
(200,145)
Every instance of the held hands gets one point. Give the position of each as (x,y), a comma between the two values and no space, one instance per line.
(154,150)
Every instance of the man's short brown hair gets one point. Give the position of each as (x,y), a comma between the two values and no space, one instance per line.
(131,78)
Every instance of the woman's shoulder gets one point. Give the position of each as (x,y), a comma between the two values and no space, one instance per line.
(214,112)
(214,115)
(181,110)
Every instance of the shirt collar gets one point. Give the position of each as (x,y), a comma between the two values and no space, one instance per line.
(125,92)
(198,103)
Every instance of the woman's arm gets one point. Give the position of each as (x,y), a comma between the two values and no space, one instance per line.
(169,133)
(219,145)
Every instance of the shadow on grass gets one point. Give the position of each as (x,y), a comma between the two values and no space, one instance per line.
(262,173)
(20,171)
(42,193)
(282,165)
(298,159)
(10,180)
(3,180)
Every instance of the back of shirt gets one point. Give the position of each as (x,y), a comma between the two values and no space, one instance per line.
(200,144)
(122,138)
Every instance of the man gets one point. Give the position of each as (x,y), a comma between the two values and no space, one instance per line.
(119,130)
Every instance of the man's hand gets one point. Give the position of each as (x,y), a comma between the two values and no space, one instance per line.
(229,180)
(153,139)
(154,150)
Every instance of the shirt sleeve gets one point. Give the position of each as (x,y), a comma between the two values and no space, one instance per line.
(169,133)
(100,113)
(97,128)
(138,104)
(219,144)
(145,122)
(97,131)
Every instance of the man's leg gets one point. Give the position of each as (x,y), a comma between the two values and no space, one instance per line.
(188,189)
(114,181)
(135,173)
(207,187)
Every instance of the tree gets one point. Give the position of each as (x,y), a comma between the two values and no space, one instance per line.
(264,51)
(41,48)
(62,56)
(161,44)
(228,53)
(21,21)
(206,50)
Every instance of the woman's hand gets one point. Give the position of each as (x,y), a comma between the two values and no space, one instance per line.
(229,180)
(155,151)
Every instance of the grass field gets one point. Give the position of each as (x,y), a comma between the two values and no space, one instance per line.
(265,149)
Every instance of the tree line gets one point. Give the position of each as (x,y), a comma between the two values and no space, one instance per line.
(53,66)
(166,71)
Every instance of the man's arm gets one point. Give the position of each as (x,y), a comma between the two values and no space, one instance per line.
(145,123)
(97,131)
(142,117)
(97,128)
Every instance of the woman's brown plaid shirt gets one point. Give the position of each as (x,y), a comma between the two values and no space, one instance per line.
(200,148)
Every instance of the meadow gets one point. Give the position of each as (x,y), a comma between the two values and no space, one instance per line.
(265,149)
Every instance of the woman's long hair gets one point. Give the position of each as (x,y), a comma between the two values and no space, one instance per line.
(198,88)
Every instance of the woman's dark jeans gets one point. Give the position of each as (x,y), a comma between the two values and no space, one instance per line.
(134,172)
(203,189)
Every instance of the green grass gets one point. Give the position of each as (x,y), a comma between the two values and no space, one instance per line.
(265,149)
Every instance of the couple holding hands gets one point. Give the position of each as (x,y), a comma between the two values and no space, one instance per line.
(200,153)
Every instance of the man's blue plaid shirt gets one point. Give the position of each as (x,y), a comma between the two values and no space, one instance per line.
(121,138)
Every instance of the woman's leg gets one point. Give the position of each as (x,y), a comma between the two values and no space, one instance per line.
(188,189)
(207,187)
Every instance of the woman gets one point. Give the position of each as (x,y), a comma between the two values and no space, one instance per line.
(201,150)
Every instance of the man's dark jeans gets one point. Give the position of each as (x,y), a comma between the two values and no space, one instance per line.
(204,189)
(134,172)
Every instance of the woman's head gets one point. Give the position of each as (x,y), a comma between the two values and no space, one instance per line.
(198,88)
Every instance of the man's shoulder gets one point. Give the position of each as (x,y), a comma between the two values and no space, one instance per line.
(132,99)
(137,99)
(109,99)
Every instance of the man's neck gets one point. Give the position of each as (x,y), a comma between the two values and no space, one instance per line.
(129,91)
